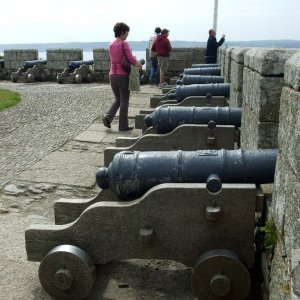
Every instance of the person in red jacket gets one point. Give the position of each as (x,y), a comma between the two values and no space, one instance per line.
(162,47)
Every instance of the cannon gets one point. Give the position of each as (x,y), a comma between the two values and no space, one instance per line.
(204,65)
(77,72)
(186,213)
(33,70)
(73,64)
(31,63)
(165,118)
(132,173)
(213,71)
(199,79)
(209,90)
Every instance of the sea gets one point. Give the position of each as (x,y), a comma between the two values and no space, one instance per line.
(88,55)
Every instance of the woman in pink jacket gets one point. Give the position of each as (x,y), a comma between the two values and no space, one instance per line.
(118,77)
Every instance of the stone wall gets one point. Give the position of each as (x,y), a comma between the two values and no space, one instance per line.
(262,86)
(180,59)
(285,207)
(58,59)
(15,58)
(236,76)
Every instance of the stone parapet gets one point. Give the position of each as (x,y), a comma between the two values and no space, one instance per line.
(262,86)
(180,59)
(236,76)
(58,59)
(227,64)
(15,58)
(285,208)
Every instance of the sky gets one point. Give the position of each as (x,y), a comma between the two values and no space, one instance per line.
(60,21)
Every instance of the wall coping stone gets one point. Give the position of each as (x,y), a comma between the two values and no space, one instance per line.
(238,54)
(268,61)
(292,71)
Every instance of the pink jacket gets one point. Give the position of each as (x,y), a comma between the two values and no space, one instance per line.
(116,54)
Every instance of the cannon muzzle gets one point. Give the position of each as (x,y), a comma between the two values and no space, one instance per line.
(131,174)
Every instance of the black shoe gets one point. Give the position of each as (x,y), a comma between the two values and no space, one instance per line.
(126,129)
(106,122)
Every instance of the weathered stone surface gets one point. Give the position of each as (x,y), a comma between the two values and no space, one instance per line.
(236,87)
(13,190)
(78,170)
(227,65)
(292,71)
(256,134)
(268,61)
(262,94)
(285,211)
(238,54)
(289,124)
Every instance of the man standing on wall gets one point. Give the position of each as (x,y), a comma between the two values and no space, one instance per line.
(162,47)
(212,47)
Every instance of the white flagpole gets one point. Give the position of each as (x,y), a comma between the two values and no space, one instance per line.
(215,15)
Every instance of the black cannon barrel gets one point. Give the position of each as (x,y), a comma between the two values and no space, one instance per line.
(131,174)
(200,79)
(166,118)
(214,71)
(211,89)
(77,63)
(204,65)
(31,63)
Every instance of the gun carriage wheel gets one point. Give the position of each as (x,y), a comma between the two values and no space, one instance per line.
(219,273)
(67,272)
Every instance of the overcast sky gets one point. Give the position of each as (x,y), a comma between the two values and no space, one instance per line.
(37,21)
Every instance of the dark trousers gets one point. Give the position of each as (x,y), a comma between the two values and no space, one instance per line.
(119,86)
(210,59)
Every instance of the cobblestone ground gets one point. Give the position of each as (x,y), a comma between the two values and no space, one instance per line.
(48,116)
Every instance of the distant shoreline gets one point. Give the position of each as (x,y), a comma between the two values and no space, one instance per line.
(143,45)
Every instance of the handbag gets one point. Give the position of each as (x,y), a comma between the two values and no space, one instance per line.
(134,79)
(126,65)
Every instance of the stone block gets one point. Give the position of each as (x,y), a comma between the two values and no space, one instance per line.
(54,55)
(262,94)
(181,55)
(292,71)
(102,65)
(178,65)
(27,55)
(238,54)
(227,65)
(10,55)
(256,134)
(268,61)
(289,124)
(73,55)
(100,54)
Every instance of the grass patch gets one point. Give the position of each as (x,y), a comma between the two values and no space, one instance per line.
(8,98)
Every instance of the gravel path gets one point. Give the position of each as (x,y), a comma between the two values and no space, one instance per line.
(48,116)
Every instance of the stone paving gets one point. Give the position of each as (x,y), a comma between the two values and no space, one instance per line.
(51,145)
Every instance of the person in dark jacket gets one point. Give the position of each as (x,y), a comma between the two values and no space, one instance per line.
(162,47)
(212,47)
